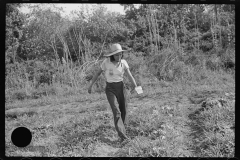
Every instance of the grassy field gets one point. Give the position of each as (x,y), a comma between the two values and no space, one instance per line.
(170,119)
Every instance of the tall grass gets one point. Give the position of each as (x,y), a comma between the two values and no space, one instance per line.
(23,83)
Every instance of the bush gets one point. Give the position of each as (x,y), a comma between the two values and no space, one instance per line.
(228,59)
(134,60)
(137,67)
(15,76)
(44,78)
(19,94)
(43,72)
(179,70)
(192,60)
(44,90)
(206,46)
(160,63)
(213,64)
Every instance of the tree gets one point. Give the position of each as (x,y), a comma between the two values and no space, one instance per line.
(14,23)
(41,32)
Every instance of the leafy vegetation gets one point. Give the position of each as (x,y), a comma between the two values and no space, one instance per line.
(182,55)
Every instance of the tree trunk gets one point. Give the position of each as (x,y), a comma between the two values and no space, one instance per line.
(216,14)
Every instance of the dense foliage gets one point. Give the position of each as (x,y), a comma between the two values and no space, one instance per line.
(169,42)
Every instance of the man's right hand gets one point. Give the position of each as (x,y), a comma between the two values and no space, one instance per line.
(94,78)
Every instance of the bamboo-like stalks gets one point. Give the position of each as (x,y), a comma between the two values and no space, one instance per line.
(220,30)
(102,47)
(171,40)
(158,33)
(213,34)
(54,47)
(69,65)
(78,42)
(196,29)
(153,29)
(72,43)
(78,39)
(150,32)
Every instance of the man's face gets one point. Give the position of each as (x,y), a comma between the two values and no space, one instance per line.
(118,56)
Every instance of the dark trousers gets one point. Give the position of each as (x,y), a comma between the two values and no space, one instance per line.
(117,91)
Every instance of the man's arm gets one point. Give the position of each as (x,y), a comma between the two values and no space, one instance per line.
(96,76)
(128,72)
(94,80)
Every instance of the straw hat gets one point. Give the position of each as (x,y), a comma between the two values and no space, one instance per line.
(114,49)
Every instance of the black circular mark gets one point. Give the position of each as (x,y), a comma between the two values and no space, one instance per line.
(21,137)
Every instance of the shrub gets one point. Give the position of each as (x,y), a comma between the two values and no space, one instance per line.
(228,60)
(19,94)
(137,67)
(160,63)
(179,70)
(15,76)
(206,46)
(213,64)
(44,90)
(43,72)
(192,60)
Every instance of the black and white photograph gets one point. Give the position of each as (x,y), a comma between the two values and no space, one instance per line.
(119,80)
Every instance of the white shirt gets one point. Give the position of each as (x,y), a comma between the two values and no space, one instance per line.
(114,73)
